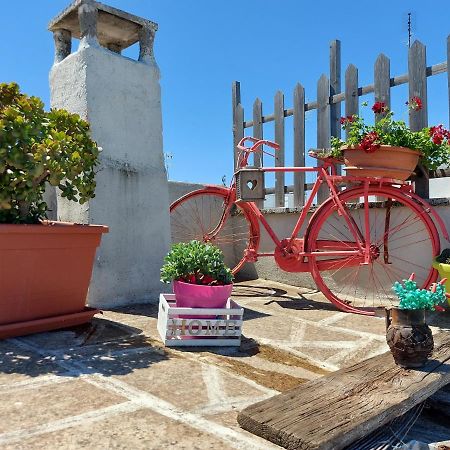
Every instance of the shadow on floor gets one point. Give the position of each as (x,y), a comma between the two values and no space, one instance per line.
(102,346)
(249,291)
(301,303)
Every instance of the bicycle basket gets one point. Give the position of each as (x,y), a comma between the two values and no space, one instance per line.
(250,184)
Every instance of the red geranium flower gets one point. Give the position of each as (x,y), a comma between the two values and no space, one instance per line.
(345,120)
(379,107)
(438,134)
(368,142)
(415,104)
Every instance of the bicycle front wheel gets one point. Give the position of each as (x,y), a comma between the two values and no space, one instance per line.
(403,240)
(203,215)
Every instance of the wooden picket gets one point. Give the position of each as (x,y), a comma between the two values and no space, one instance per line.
(417,75)
(279,139)
(328,106)
(299,143)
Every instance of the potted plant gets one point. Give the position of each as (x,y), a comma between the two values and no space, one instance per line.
(389,148)
(45,267)
(407,333)
(442,265)
(199,275)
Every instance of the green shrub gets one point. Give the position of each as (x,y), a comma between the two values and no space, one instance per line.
(196,263)
(39,147)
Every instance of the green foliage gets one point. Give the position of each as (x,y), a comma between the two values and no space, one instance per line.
(432,142)
(196,263)
(39,147)
(411,297)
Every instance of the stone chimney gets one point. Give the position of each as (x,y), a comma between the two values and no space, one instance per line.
(121,99)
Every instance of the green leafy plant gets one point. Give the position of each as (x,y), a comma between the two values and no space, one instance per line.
(196,263)
(432,142)
(39,147)
(411,297)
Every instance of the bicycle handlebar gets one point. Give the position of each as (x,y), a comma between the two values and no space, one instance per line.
(256,143)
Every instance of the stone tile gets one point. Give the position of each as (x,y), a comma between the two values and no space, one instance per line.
(317,354)
(35,406)
(271,327)
(17,364)
(319,332)
(139,430)
(233,387)
(178,381)
(374,325)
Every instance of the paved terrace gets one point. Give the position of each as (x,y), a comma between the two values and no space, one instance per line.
(111,383)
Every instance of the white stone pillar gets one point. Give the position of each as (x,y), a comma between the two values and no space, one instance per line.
(121,99)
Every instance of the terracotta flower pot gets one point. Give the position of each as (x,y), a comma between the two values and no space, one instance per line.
(45,271)
(444,272)
(387,161)
(409,337)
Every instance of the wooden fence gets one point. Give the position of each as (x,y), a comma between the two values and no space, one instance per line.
(328,106)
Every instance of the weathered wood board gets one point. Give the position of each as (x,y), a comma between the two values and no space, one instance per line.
(333,411)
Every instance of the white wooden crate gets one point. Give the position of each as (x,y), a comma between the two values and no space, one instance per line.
(189,327)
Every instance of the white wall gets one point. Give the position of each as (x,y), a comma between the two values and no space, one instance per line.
(122,101)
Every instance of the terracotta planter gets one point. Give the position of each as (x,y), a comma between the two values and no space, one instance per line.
(409,337)
(387,161)
(45,271)
(444,272)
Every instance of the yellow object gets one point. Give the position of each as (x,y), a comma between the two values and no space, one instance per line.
(444,272)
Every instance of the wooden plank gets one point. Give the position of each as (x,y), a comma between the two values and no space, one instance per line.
(351,91)
(258,133)
(279,139)
(238,118)
(323,126)
(238,130)
(382,78)
(299,144)
(257,129)
(335,88)
(418,88)
(337,409)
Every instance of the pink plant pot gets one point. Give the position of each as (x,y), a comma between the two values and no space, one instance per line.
(198,296)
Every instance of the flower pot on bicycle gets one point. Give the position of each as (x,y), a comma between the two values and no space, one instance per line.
(387,161)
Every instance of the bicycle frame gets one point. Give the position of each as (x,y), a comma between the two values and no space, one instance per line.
(291,253)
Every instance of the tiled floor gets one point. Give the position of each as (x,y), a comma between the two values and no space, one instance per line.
(111,384)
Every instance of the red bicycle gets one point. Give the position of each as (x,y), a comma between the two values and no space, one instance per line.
(368,234)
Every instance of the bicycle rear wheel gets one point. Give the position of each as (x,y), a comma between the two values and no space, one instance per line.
(403,239)
(200,215)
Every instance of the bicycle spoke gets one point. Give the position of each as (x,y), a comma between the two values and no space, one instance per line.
(361,286)
(200,215)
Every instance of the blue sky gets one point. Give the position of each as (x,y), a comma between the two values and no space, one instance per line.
(203,45)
